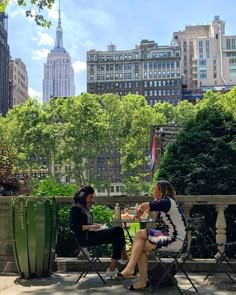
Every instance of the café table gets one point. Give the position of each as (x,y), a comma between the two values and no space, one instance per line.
(126,222)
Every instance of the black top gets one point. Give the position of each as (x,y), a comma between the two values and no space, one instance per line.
(79,217)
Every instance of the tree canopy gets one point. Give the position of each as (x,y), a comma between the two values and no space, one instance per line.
(33,9)
(74,131)
(203,158)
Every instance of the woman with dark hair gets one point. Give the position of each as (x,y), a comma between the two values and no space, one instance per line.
(88,233)
(170,238)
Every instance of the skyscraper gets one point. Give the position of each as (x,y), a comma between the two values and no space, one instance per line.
(150,70)
(207,56)
(19,82)
(4,66)
(58,71)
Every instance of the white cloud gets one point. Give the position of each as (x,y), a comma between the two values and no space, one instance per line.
(16,12)
(40,53)
(43,39)
(79,66)
(53,12)
(35,94)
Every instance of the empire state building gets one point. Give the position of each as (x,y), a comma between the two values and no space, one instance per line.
(58,71)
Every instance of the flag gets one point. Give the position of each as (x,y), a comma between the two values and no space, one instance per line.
(153,153)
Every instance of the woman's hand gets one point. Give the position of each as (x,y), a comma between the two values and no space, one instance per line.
(95,226)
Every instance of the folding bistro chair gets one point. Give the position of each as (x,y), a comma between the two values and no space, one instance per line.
(178,260)
(92,259)
(214,249)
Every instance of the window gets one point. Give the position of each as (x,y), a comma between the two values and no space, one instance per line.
(202,62)
(150,65)
(168,92)
(159,83)
(136,75)
(172,92)
(151,93)
(177,73)
(145,65)
(200,44)
(136,66)
(154,74)
(145,75)
(163,74)
(164,92)
(145,93)
(159,74)
(91,77)
(168,83)
(228,44)
(159,92)
(130,85)
(151,83)
(155,92)
(150,75)
(145,84)
(125,57)
(112,189)
(136,84)
(136,92)
(164,83)
(155,83)
(177,64)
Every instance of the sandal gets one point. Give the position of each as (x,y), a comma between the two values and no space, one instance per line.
(119,276)
(132,288)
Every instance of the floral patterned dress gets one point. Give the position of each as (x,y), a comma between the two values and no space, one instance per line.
(172,235)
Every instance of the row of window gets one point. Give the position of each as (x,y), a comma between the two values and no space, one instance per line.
(230,44)
(163,74)
(135,55)
(164,83)
(161,83)
(136,75)
(128,66)
(168,92)
(162,65)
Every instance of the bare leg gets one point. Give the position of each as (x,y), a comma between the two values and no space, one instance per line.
(113,264)
(143,266)
(136,252)
(124,253)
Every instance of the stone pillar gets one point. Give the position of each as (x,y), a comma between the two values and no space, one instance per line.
(7,261)
(220,226)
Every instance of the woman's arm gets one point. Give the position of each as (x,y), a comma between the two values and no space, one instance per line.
(91,226)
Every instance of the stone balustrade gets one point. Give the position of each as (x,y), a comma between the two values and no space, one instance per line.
(220,203)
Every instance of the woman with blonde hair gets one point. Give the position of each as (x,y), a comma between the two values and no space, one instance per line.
(170,238)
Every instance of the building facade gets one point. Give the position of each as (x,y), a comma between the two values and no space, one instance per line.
(58,71)
(208,56)
(19,82)
(4,66)
(149,70)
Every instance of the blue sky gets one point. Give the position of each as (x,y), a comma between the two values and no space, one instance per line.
(95,23)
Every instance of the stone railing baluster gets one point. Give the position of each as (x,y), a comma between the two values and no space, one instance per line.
(220,226)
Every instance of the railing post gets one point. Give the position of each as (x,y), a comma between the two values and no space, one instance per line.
(220,226)
(187,211)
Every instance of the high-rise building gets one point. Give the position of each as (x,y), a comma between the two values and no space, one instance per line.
(150,70)
(4,66)
(19,82)
(58,71)
(208,56)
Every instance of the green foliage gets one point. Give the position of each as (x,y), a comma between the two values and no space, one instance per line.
(8,181)
(203,158)
(74,131)
(65,241)
(102,214)
(49,187)
(33,9)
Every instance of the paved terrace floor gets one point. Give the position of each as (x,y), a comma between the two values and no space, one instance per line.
(61,284)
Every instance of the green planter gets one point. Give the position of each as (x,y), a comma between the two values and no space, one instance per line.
(34,235)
